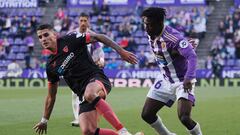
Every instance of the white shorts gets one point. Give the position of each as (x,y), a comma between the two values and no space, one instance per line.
(166,92)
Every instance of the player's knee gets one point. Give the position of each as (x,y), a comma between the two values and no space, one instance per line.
(88,131)
(185,119)
(146,116)
(89,94)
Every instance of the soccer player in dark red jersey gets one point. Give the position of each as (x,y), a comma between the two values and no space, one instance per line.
(97,54)
(71,60)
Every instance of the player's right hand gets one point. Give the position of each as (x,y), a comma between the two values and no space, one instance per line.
(40,128)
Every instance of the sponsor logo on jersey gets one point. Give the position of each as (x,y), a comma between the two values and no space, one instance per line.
(61,69)
(183,43)
(65,49)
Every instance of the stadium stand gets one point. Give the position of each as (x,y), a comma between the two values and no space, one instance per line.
(123,22)
(17,27)
(225,49)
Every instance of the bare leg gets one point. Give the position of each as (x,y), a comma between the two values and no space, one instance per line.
(149,115)
(184,115)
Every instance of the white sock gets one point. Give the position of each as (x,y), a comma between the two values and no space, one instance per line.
(160,127)
(122,130)
(196,130)
(75,105)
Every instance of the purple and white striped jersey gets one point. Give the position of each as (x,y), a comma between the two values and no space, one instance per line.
(174,55)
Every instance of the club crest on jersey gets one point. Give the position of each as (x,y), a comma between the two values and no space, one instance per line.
(54,64)
(183,44)
(65,49)
(164,46)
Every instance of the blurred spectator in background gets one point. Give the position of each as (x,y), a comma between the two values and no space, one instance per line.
(60,14)
(200,25)
(124,42)
(34,23)
(230,49)
(237,43)
(221,28)
(14,70)
(8,23)
(57,24)
(138,8)
(24,20)
(95,8)
(2,50)
(209,62)
(132,45)
(105,8)
(66,23)
(112,64)
(16,21)
(6,45)
(143,62)
(218,64)
(29,41)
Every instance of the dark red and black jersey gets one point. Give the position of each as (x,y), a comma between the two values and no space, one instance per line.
(73,61)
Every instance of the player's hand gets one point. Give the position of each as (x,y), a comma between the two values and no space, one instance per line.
(128,56)
(187,85)
(40,128)
(193,42)
(100,62)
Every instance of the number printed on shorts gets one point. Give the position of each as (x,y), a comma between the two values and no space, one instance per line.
(158,84)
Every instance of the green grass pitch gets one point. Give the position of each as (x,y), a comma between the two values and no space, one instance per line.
(217,110)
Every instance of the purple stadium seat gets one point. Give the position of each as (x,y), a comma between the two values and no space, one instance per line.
(15,49)
(20,56)
(231,62)
(17,41)
(11,56)
(23,49)
(141,47)
(11,41)
(144,40)
(119,19)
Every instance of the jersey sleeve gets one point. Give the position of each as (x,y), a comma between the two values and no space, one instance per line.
(186,50)
(52,78)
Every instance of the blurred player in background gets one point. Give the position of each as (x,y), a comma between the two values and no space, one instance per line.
(70,58)
(177,61)
(96,51)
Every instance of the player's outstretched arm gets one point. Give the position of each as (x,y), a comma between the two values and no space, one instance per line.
(41,127)
(125,55)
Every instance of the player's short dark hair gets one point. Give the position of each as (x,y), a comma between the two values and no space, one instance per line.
(154,13)
(84,15)
(45,26)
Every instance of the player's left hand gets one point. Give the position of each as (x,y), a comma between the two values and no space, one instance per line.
(40,128)
(187,85)
(128,56)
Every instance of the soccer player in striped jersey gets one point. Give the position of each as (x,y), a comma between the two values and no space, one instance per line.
(177,61)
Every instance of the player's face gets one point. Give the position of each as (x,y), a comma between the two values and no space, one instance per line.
(47,38)
(84,24)
(152,28)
